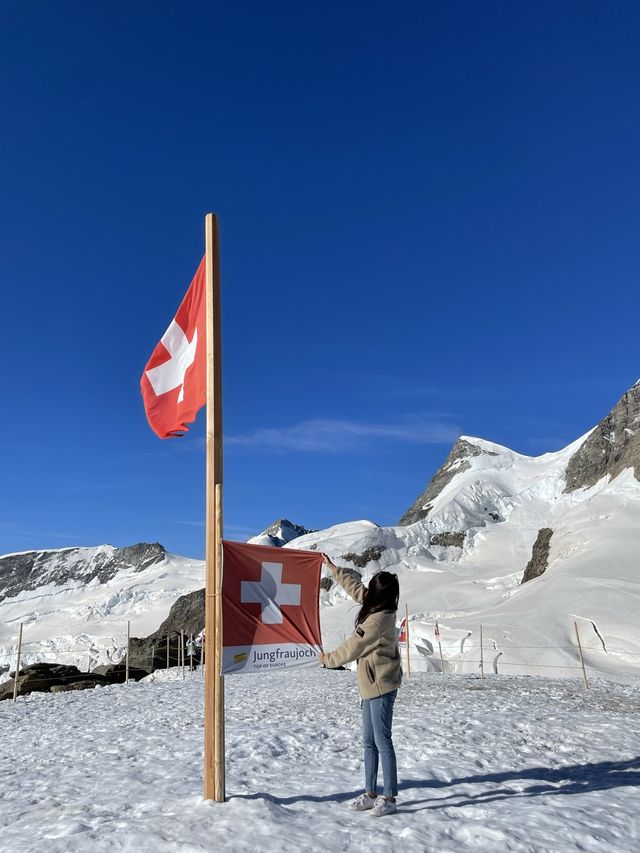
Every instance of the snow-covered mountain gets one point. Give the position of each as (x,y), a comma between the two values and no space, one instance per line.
(567,523)
(75,602)
(571,519)
(280,533)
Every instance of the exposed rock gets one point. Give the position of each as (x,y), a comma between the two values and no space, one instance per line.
(611,447)
(456,462)
(44,677)
(449,539)
(186,614)
(88,684)
(326,583)
(48,670)
(26,685)
(115,673)
(361,560)
(28,571)
(539,561)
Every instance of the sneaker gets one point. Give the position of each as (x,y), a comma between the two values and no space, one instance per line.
(362,803)
(383,806)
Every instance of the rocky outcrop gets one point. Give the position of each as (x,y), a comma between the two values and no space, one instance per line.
(89,684)
(47,677)
(28,571)
(115,673)
(448,539)
(44,677)
(539,561)
(186,614)
(611,447)
(456,462)
(364,557)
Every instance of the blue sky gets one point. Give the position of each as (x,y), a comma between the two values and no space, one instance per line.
(429,220)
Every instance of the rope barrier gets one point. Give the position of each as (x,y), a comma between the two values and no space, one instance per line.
(90,655)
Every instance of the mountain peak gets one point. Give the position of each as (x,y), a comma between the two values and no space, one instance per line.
(465,448)
(491,448)
(281,532)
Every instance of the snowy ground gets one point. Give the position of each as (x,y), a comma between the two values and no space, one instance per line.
(517,764)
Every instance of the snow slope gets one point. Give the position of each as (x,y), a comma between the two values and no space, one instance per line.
(76,619)
(497,503)
(525,765)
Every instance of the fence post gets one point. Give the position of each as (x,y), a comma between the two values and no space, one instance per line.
(153,656)
(191,652)
(584,671)
(406,622)
(182,650)
(439,647)
(481,655)
(15,678)
(167,651)
(126,666)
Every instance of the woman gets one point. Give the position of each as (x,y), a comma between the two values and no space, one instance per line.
(374,645)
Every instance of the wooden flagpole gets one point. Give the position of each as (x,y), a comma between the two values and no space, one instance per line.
(214,767)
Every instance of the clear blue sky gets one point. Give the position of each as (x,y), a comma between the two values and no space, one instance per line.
(430,226)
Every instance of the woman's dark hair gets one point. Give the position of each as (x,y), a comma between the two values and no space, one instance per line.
(382,594)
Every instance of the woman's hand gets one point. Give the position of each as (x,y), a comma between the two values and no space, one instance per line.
(327,562)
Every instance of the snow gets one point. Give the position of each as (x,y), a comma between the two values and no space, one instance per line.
(505,764)
(86,624)
(592,576)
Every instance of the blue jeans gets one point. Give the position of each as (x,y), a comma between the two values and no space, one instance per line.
(377,717)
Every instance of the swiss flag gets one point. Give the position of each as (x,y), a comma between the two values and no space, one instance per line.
(174,382)
(402,637)
(270,617)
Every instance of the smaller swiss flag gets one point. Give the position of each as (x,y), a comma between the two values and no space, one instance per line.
(270,617)
(174,382)
(402,636)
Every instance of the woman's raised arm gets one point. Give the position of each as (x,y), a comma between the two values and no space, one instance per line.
(348,579)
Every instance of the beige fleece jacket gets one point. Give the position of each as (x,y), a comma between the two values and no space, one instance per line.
(373,644)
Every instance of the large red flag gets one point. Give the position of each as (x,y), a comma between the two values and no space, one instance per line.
(174,382)
(270,608)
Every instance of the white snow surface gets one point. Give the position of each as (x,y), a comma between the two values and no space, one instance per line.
(86,624)
(501,502)
(505,764)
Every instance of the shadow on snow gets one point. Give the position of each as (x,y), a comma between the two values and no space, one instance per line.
(572,779)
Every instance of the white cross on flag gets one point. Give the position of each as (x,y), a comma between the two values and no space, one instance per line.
(174,382)
(270,616)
